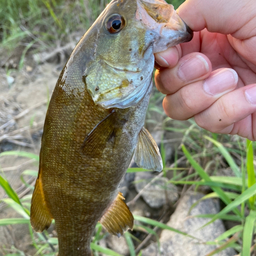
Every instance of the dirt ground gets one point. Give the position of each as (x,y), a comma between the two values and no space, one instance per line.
(23,103)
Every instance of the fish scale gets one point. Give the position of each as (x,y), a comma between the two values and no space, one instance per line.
(95,121)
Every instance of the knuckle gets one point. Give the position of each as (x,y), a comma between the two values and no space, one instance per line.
(186,101)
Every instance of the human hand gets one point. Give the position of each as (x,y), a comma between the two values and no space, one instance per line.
(213,77)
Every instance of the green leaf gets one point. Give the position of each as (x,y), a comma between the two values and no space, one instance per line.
(248,233)
(130,243)
(8,190)
(226,155)
(4,222)
(104,250)
(20,153)
(206,177)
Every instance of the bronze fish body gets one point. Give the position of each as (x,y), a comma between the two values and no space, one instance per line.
(95,120)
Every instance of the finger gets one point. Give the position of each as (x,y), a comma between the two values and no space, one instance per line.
(168,58)
(229,109)
(198,96)
(226,17)
(190,68)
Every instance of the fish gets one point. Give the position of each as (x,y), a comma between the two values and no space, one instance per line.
(94,124)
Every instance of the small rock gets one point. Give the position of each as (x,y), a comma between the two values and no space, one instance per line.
(10,80)
(173,244)
(29,69)
(119,245)
(159,193)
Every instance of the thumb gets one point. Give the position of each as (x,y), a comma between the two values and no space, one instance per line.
(226,17)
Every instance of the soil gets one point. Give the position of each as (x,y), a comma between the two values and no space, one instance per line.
(23,104)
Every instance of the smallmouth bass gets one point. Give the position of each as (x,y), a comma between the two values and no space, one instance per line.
(95,122)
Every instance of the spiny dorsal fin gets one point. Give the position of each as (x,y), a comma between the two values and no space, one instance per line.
(40,216)
(96,140)
(147,153)
(118,217)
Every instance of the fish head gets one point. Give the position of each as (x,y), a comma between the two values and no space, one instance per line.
(127,34)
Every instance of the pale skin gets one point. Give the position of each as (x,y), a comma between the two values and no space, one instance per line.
(213,77)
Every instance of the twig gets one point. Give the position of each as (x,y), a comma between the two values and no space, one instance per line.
(148,237)
(233,239)
(20,143)
(14,168)
(43,57)
(21,130)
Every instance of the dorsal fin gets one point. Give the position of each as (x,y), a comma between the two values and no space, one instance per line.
(40,216)
(147,153)
(118,217)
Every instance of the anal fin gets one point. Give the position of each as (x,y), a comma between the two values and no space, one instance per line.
(118,217)
(147,153)
(40,216)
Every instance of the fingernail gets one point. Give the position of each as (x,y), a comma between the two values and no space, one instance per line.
(161,61)
(193,68)
(250,94)
(221,81)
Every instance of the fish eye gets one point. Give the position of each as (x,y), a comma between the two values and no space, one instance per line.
(115,23)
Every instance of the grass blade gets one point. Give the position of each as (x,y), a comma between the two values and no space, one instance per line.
(239,200)
(5,222)
(17,207)
(161,225)
(130,243)
(212,195)
(229,233)
(8,190)
(248,233)
(250,169)
(20,153)
(226,155)
(206,177)
(222,217)
(106,251)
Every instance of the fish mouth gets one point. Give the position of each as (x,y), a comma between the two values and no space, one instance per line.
(133,70)
(160,18)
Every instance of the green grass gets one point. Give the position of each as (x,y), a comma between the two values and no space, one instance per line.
(42,24)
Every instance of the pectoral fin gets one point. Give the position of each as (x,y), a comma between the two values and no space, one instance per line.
(118,217)
(147,153)
(97,138)
(40,216)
